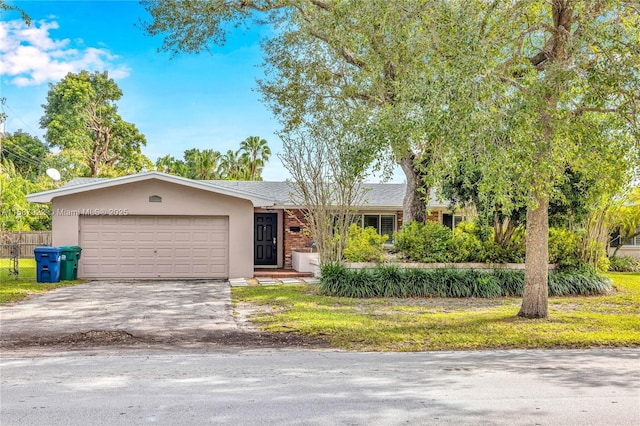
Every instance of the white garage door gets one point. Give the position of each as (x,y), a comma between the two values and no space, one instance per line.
(154,247)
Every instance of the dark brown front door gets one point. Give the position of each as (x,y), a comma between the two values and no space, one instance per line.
(265,239)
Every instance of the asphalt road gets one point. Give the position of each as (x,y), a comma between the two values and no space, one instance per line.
(283,387)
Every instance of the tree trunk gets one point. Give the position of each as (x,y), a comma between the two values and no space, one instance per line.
(415,200)
(93,167)
(536,274)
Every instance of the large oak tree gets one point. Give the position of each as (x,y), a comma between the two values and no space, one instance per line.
(330,64)
(81,117)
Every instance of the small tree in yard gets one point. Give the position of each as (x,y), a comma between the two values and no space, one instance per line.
(327,171)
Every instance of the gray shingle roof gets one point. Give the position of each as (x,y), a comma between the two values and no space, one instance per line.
(377,195)
(83,180)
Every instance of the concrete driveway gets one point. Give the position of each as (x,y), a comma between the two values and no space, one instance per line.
(160,310)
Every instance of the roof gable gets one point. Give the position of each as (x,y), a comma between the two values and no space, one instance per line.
(383,196)
(80,185)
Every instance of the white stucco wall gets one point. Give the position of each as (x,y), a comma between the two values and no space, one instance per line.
(633,251)
(176,200)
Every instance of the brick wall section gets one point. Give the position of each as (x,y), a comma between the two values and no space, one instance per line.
(302,239)
(434,217)
(294,240)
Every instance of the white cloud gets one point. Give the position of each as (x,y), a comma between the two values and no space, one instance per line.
(31,56)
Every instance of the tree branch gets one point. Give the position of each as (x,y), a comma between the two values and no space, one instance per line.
(520,43)
(513,83)
(321,4)
(346,54)
(582,110)
(351,58)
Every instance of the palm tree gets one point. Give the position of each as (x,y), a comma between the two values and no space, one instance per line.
(168,164)
(202,164)
(231,166)
(258,153)
(207,164)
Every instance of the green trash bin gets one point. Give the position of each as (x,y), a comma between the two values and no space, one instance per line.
(69,262)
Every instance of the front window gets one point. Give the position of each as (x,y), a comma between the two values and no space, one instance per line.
(384,224)
(635,241)
(451,221)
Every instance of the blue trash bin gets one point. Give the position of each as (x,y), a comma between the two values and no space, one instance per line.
(47,264)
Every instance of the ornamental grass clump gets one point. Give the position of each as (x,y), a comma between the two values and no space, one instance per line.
(624,264)
(584,281)
(393,281)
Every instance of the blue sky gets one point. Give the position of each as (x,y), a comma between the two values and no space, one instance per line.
(191,101)
(201,101)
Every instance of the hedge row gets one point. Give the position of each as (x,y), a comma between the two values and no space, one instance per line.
(393,281)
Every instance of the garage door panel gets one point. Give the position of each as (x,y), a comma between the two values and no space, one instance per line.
(182,269)
(128,236)
(124,221)
(91,236)
(164,236)
(182,252)
(200,252)
(146,220)
(109,236)
(218,252)
(164,252)
(110,220)
(200,237)
(182,237)
(154,246)
(108,269)
(216,270)
(127,269)
(91,269)
(218,236)
(164,269)
(201,269)
(109,252)
(201,221)
(144,253)
(146,237)
(126,251)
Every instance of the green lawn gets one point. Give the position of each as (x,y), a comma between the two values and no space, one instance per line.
(385,324)
(12,289)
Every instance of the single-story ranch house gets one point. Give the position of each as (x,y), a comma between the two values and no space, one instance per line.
(155,225)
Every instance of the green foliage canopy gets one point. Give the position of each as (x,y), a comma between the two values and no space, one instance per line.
(81,117)
(26,152)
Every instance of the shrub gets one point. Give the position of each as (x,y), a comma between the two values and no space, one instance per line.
(424,242)
(495,253)
(564,247)
(467,244)
(432,242)
(624,264)
(392,281)
(473,243)
(364,244)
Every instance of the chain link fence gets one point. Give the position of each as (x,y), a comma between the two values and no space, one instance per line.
(19,245)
